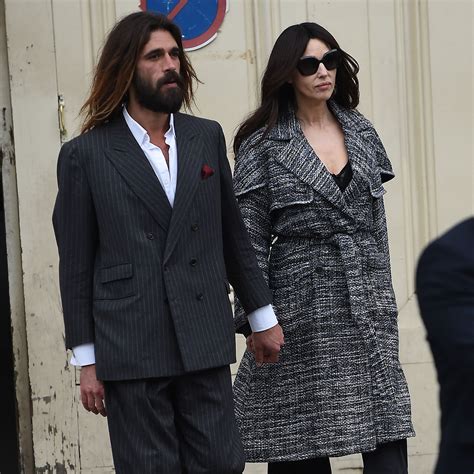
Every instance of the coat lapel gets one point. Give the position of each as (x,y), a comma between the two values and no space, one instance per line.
(132,164)
(189,176)
(354,126)
(299,158)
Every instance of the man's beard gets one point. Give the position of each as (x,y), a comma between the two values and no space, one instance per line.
(167,101)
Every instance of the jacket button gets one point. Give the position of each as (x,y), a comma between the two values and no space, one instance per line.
(319,270)
(165,268)
(200,297)
(150,236)
(194,227)
(193,262)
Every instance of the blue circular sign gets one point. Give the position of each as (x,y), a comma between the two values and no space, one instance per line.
(198,20)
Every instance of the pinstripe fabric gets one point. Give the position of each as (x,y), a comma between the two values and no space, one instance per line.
(338,387)
(183,424)
(145,283)
(148,285)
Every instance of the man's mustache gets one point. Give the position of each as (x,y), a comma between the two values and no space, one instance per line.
(169,77)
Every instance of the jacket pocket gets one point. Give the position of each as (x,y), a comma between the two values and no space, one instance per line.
(115,282)
(117,272)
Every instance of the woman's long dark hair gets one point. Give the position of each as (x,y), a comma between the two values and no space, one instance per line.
(118,61)
(277,95)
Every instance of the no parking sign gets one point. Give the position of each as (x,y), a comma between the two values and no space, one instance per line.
(198,20)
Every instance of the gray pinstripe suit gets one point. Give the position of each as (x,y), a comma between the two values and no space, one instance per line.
(146,283)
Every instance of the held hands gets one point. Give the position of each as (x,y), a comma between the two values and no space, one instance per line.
(92,391)
(266,345)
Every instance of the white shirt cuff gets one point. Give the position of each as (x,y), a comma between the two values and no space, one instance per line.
(83,355)
(262,318)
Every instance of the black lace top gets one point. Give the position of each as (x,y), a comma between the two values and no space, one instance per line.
(343,178)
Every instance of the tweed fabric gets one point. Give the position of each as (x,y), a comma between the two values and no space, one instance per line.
(338,387)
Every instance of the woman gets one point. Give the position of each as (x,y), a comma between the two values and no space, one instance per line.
(308,177)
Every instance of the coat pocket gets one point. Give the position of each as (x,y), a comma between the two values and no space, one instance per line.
(115,282)
(289,191)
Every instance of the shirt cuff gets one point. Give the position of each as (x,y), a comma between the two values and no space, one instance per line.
(83,355)
(262,318)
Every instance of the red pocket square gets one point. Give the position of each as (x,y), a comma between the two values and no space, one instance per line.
(206,172)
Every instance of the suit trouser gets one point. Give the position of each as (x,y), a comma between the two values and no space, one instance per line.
(181,424)
(388,458)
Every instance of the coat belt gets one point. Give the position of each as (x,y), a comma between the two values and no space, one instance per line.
(360,303)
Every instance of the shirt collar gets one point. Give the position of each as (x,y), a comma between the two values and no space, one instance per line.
(140,134)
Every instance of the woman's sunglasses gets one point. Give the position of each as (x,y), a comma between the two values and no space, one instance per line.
(308,65)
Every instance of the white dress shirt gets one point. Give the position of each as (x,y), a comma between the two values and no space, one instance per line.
(260,319)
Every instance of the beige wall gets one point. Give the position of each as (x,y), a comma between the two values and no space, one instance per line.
(416,86)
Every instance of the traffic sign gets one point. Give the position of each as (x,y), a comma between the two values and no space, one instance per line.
(199,20)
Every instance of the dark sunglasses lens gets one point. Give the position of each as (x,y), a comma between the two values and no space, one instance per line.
(331,60)
(308,66)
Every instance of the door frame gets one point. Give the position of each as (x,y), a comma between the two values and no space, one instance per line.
(14,264)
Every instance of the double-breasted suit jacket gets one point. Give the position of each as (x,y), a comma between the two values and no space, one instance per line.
(147,283)
(338,387)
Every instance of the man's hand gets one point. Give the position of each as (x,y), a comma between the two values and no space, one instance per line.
(266,344)
(92,391)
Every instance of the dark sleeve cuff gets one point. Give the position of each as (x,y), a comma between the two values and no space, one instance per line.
(245,329)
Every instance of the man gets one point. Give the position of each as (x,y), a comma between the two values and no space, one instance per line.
(445,288)
(149,234)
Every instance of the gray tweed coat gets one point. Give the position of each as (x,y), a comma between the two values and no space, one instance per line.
(338,387)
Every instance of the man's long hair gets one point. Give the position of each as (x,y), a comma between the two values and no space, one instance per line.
(118,60)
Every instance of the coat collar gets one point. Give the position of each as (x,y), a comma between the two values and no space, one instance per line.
(288,126)
(298,156)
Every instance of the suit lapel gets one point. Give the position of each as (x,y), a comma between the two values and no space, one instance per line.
(134,167)
(189,147)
